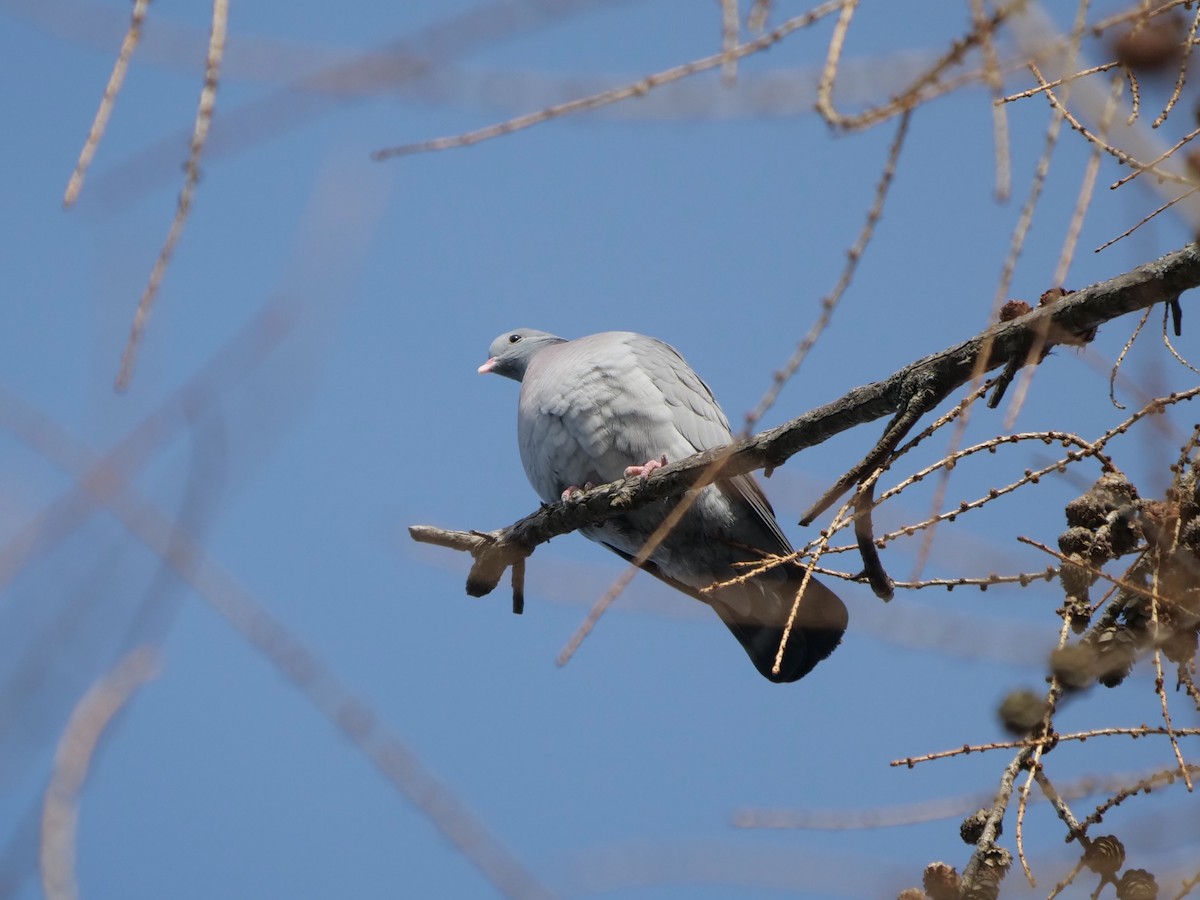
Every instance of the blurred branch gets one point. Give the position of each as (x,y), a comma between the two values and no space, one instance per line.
(311,80)
(605,98)
(1033,32)
(830,301)
(60,812)
(927,85)
(919,386)
(940,808)
(171,541)
(96,475)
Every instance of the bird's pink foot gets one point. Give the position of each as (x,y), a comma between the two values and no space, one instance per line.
(575,490)
(644,470)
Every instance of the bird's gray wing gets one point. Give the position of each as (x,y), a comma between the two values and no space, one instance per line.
(693,410)
(702,423)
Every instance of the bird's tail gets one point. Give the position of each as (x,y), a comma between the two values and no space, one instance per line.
(757,611)
(820,622)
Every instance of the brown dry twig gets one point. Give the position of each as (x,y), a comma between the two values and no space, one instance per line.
(204,115)
(830,301)
(1030,476)
(616,95)
(926,85)
(107,102)
(780,818)
(967,749)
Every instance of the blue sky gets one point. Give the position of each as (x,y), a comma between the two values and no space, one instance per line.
(297,466)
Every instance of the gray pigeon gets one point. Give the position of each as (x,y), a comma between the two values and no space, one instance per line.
(611,405)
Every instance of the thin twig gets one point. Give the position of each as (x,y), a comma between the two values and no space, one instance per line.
(1141,12)
(913,813)
(1135,732)
(1172,545)
(1031,476)
(1128,231)
(830,301)
(1181,76)
(1146,784)
(913,94)
(1167,309)
(1067,254)
(1047,85)
(204,114)
(1006,274)
(1116,366)
(605,98)
(1152,166)
(1032,757)
(107,102)
(1086,187)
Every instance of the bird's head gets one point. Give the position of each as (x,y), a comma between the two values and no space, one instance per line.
(512,351)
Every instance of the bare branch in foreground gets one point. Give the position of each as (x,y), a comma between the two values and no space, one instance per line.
(924,384)
(76,750)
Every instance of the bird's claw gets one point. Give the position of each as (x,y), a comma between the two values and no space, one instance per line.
(575,490)
(649,466)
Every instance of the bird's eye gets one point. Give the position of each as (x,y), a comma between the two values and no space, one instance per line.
(514,338)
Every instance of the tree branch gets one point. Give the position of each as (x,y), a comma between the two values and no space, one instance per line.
(920,385)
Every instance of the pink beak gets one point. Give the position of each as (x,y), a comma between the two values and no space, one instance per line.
(487,366)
